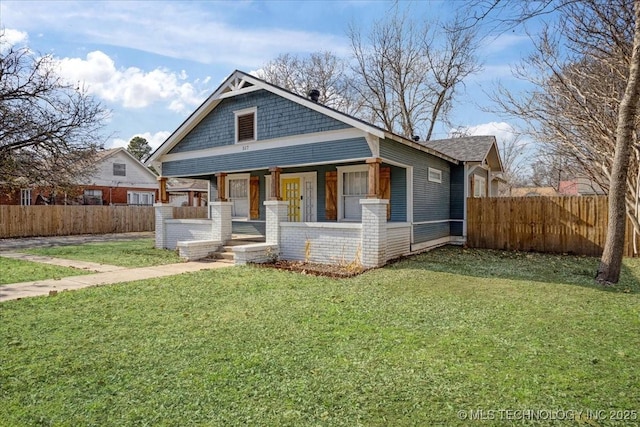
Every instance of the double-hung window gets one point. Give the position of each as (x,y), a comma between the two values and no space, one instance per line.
(353,186)
(140,198)
(119,169)
(92,197)
(479,186)
(25,197)
(238,194)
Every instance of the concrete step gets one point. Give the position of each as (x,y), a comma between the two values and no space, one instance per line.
(226,256)
(240,242)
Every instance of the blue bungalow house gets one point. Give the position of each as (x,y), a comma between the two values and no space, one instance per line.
(315,184)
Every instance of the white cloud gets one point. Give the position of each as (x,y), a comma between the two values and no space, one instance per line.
(154,139)
(131,87)
(501,130)
(203,32)
(504,42)
(13,37)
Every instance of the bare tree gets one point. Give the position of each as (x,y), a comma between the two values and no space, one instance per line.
(404,75)
(405,80)
(321,71)
(49,129)
(584,105)
(611,261)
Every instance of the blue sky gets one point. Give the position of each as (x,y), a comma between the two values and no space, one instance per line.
(153,62)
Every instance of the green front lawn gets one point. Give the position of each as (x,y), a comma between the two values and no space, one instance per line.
(15,271)
(415,343)
(134,253)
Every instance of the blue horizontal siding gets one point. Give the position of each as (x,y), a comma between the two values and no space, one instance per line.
(457,192)
(398,200)
(456,228)
(426,232)
(262,159)
(277,117)
(431,200)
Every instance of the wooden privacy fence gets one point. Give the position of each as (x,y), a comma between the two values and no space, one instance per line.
(59,220)
(190,212)
(576,225)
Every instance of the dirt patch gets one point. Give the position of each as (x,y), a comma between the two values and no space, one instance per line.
(326,270)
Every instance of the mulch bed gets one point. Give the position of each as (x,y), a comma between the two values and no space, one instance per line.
(326,270)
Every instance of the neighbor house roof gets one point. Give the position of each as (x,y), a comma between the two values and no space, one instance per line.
(533,191)
(469,149)
(103,155)
(184,185)
(240,82)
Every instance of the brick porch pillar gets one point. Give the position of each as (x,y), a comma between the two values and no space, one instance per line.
(374,232)
(276,213)
(163,212)
(221,225)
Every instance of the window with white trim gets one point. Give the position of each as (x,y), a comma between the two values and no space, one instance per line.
(142,198)
(92,197)
(237,189)
(25,197)
(119,169)
(353,185)
(246,123)
(479,186)
(435,175)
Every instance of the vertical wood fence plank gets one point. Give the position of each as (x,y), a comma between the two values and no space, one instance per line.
(60,220)
(575,224)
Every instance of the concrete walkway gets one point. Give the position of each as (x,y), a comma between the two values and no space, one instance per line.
(105,274)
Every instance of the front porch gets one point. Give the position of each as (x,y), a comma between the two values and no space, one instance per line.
(370,243)
(332,213)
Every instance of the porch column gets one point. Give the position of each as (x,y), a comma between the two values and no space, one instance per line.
(277,212)
(374,177)
(164,197)
(374,232)
(275,183)
(221,224)
(163,212)
(221,182)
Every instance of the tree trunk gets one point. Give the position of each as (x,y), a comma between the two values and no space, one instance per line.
(611,261)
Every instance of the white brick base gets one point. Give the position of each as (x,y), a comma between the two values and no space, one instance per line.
(257,252)
(221,221)
(374,232)
(163,212)
(321,242)
(192,250)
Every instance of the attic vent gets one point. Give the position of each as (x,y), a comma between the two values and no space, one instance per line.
(246,125)
(314,95)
